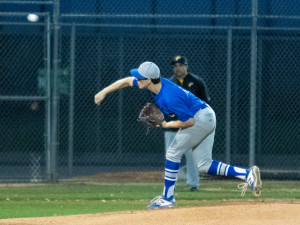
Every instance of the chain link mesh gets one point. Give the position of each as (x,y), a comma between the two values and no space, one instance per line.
(100,41)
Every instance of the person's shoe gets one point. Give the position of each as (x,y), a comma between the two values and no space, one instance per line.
(160,203)
(194,189)
(254,181)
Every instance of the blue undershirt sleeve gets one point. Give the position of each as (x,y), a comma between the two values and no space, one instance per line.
(135,83)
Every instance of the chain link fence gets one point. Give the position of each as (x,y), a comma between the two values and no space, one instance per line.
(246,51)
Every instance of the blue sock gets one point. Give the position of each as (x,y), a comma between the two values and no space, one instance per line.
(171,172)
(222,169)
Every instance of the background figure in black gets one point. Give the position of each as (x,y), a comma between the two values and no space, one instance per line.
(197,86)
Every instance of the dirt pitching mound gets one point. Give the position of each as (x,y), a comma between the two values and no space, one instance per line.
(235,214)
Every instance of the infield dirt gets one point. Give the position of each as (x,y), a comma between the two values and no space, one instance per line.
(233,214)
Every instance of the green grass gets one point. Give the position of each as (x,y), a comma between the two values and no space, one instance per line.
(70,198)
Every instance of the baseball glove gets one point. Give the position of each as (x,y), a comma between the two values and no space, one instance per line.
(151,116)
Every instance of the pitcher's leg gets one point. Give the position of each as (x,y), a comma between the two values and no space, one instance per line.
(171,172)
(173,159)
(183,141)
(169,137)
(250,176)
(203,156)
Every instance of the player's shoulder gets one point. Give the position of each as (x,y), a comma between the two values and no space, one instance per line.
(194,76)
(171,87)
(168,81)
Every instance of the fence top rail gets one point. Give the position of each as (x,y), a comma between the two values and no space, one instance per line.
(153,26)
(187,16)
(23,13)
(157,16)
(27,2)
(22,23)
(109,25)
(22,98)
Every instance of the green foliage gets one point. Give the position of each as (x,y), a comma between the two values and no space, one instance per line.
(90,197)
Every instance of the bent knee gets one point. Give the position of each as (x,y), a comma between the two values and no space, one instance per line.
(204,165)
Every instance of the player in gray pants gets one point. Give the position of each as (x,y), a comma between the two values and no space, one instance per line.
(197,86)
(197,123)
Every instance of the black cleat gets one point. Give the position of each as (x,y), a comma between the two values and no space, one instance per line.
(194,189)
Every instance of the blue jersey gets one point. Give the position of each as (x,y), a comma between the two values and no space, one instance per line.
(173,99)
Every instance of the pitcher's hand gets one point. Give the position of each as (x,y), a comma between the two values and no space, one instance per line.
(99,97)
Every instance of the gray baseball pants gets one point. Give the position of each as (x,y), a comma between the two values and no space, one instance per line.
(199,138)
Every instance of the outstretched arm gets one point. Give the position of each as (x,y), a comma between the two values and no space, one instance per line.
(179,124)
(125,82)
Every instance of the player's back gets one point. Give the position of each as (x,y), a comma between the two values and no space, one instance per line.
(174,99)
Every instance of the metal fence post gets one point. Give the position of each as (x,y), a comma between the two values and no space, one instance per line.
(48,96)
(120,102)
(55,97)
(252,122)
(228,98)
(71,106)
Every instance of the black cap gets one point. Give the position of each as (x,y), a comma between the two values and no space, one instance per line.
(179,59)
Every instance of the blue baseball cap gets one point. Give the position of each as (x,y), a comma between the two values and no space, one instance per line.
(146,70)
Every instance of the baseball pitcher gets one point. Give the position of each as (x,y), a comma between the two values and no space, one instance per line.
(197,123)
